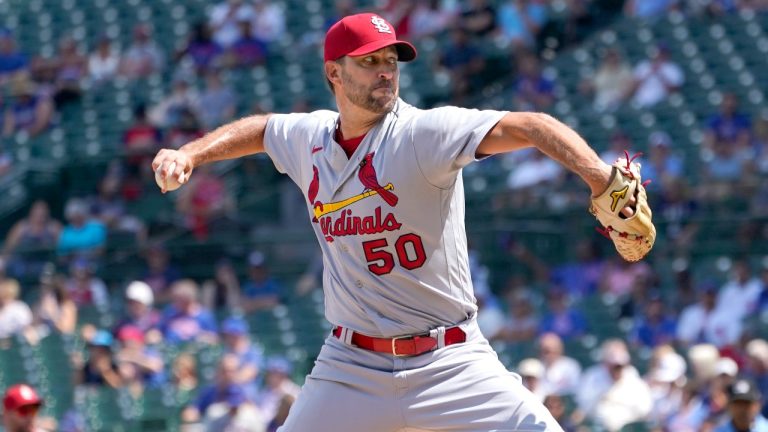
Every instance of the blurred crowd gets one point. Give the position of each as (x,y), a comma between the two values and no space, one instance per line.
(689,359)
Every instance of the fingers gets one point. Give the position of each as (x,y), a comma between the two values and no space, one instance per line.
(172,164)
(629,210)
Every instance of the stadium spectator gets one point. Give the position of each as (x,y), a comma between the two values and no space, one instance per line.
(522,323)
(741,293)
(665,379)
(100,368)
(186,128)
(139,312)
(478,18)
(234,333)
(561,317)
(656,78)
(678,208)
(702,359)
(139,366)
(756,367)
(84,287)
(184,373)
(224,17)
(71,69)
(561,373)
(21,405)
(222,293)
(247,50)
(704,322)
(184,96)
(159,273)
(278,391)
(203,201)
(655,326)
(691,414)
(463,61)
(611,84)
(520,22)
(109,207)
(6,159)
(730,126)
(236,413)
(15,315)
(269,21)
(217,102)
(531,371)
(398,13)
(620,277)
(532,169)
(82,235)
(533,90)
(37,231)
(744,403)
(647,9)
(612,394)
(557,407)
(185,319)
(140,141)
(580,277)
(662,166)
(201,53)
(104,62)
(429,18)
(726,172)
(220,390)
(143,57)
(726,371)
(56,311)
(260,290)
(12,60)
(30,112)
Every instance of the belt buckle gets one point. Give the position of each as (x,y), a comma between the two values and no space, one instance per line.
(394,349)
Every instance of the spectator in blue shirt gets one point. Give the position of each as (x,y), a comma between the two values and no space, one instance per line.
(185,319)
(744,402)
(533,91)
(11,59)
(234,333)
(654,327)
(520,22)
(260,291)
(222,389)
(562,319)
(730,126)
(82,235)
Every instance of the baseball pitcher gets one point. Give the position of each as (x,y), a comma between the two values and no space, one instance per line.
(386,201)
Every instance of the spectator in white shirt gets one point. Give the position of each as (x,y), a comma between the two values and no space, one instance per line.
(532,371)
(223,20)
(704,322)
(657,78)
(269,22)
(741,293)
(561,373)
(104,62)
(612,394)
(612,82)
(15,315)
(666,379)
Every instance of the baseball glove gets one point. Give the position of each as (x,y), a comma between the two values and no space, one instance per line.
(633,236)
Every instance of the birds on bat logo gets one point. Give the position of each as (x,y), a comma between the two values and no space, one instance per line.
(367,176)
(347,223)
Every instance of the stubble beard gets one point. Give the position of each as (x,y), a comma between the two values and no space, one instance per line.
(363,97)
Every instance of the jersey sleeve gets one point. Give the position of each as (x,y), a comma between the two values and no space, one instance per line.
(445,140)
(283,141)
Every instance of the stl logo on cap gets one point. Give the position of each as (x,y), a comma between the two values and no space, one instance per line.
(381,24)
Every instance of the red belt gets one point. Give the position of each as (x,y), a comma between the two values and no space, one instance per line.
(402,346)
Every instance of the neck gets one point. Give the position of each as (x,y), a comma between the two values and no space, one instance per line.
(353,120)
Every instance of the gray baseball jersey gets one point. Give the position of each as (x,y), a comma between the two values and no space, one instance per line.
(390,219)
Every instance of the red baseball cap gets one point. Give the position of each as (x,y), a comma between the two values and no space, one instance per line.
(364,33)
(20,395)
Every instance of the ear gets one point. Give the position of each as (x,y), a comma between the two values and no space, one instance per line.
(333,72)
